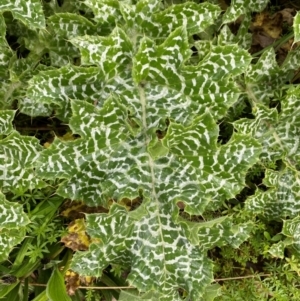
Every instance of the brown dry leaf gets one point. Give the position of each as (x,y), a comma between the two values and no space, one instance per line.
(47,144)
(288,45)
(283,51)
(72,282)
(77,239)
(262,39)
(288,15)
(271,26)
(86,280)
(77,209)
(130,204)
(180,205)
(69,136)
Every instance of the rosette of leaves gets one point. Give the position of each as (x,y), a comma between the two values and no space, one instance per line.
(147,127)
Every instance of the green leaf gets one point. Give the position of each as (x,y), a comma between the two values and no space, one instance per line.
(108,53)
(212,291)
(30,12)
(216,232)
(68,25)
(238,8)
(14,294)
(5,289)
(291,230)
(134,295)
(12,226)
(282,199)
(6,118)
(18,156)
(277,132)
(41,297)
(56,290)
(277,250)
(264,78)
(106,12)
(296,26)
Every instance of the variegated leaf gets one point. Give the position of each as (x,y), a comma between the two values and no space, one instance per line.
(12,226)
(264,78)
(54,89)
(238,8)
(216,232)
(282,199)
(107,12)
(278,132)
(5,51)
(6,118)
(30,12)
(291,229)
(18,155)
(68,25)
(109,53)
(139,244)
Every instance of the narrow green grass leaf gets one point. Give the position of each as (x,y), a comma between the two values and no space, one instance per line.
(56,289)
(5,289)
(296,27)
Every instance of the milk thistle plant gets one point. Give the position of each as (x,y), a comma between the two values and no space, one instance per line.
(163,112)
